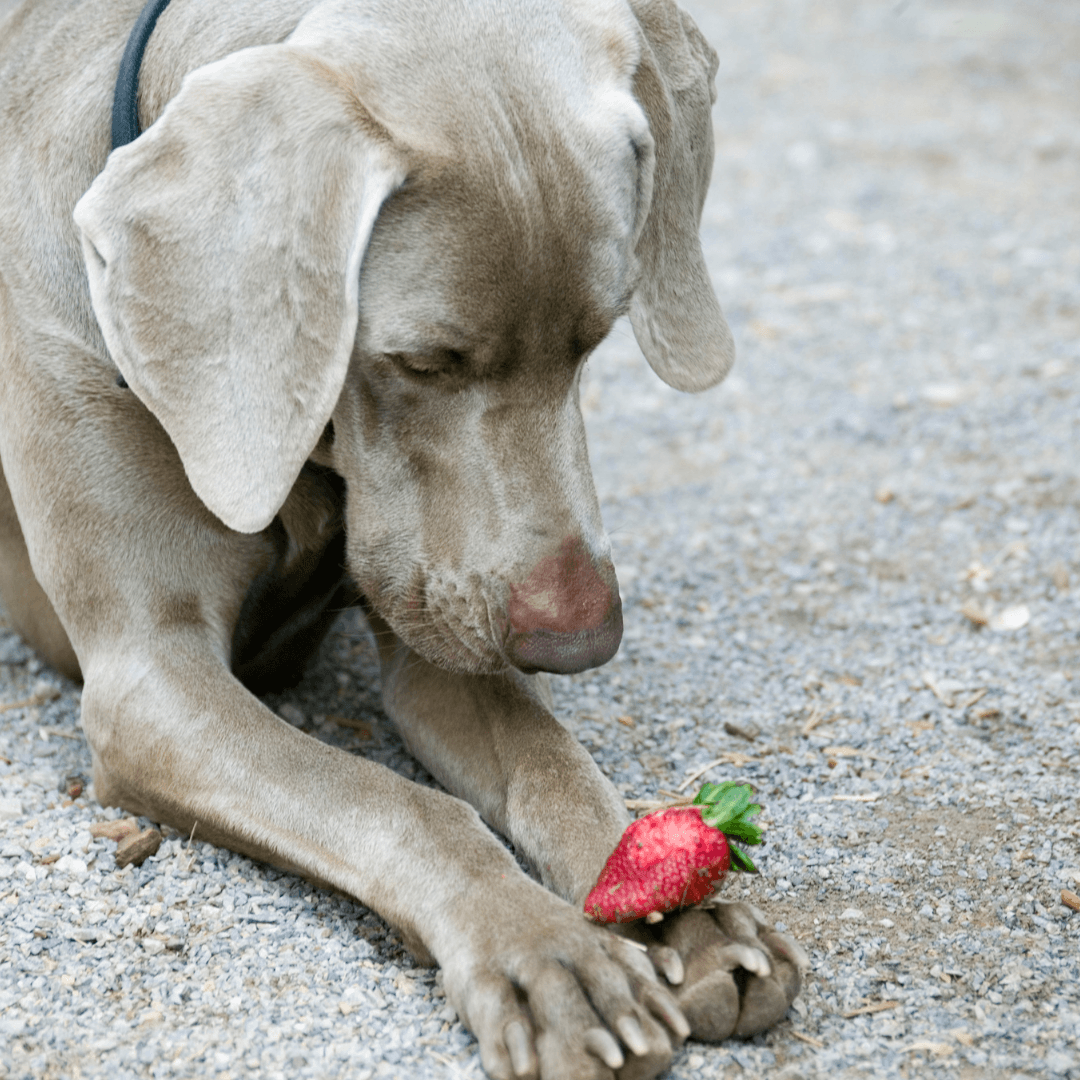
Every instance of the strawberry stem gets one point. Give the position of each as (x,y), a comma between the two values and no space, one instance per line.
(727,808)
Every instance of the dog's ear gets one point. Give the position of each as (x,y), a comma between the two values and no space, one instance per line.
(223,249)
(676,317)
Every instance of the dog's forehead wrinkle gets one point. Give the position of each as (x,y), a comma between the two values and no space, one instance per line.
(472,48)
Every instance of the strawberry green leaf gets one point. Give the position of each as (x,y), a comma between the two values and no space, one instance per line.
(744,831)
(730,797)
(739,861)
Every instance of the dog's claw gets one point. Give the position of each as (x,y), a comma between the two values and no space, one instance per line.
(632,1035)
(519,1047)
(714,942)
(601,1042)
(668,962)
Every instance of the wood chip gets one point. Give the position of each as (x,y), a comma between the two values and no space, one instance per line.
(647,806)
(807,1039)
(884,495)
(747,732)
(732,758)
(976,613)
(817,716)
(938,689)
(135,850)
(73,786)
(935,1048)
(1070,899)
(976,697)
(35,699)
(361,727)
(873,1007)
(626,721)
(115,830)
(871,797)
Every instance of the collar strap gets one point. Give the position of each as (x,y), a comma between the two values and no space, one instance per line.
(125,110)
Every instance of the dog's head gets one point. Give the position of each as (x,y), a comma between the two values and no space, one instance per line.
(398,235)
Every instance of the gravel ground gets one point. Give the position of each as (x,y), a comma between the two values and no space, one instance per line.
(863,547)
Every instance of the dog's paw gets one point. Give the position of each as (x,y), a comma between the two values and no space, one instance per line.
(550,996)
(739,974)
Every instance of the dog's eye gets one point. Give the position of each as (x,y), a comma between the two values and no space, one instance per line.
(426,365)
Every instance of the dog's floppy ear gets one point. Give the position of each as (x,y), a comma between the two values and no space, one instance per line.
(223,249)
(676,318)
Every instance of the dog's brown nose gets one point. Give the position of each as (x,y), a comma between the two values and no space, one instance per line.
(566,616)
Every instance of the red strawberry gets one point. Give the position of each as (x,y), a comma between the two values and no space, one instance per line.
(673,858)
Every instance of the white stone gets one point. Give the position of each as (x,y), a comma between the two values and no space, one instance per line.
(72,865)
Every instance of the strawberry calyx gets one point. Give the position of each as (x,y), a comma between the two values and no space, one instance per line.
(728,809)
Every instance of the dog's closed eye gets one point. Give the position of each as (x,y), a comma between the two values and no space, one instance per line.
(430,364)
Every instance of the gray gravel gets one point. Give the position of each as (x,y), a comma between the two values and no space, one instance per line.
(894,231)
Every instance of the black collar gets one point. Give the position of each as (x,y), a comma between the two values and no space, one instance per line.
(125,110)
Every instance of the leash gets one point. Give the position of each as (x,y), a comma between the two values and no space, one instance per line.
(125,110)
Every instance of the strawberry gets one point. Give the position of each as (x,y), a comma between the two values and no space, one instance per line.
(675,857)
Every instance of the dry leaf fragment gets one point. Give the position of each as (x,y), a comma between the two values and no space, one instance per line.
(1012,618)
(626,721)
(115,830)
(1070,899)
(135,850)
(962,1036)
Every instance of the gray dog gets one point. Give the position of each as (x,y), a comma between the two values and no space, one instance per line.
(330,311)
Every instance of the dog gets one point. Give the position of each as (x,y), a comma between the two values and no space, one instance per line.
(314,337)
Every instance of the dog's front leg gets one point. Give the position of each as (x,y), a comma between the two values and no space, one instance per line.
(177,738)
(494,741)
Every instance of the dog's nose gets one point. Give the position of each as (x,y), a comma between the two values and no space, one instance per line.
(566,616)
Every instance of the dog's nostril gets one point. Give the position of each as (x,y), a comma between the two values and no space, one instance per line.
(566,616)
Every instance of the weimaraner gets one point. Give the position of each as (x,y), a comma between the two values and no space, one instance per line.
(314,337)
